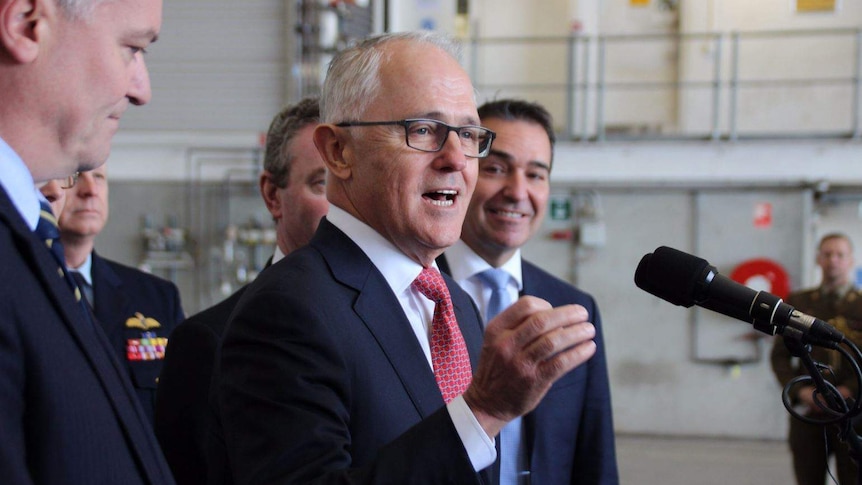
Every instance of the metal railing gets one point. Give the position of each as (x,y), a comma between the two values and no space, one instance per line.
(712,86)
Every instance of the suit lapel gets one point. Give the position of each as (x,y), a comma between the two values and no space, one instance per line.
(381,313)
(528,422)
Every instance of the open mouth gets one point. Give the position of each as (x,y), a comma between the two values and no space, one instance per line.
(441,198)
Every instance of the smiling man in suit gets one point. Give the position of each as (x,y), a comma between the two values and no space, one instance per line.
(353,360)
(568,438)
(68,71)
(136,310)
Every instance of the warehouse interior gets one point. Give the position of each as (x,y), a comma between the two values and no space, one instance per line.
(729,129)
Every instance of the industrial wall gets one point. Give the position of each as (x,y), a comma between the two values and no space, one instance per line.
(183,202)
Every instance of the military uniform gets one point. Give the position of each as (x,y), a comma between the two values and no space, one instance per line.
(137,311)
(842,309)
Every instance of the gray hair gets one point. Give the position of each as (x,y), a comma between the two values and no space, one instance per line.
(353,81)
(78,9)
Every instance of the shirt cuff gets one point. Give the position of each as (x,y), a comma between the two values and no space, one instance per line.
(480,448)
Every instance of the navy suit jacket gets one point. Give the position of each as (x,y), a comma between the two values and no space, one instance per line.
(68,413)
(183,421)
(120,292)
(321,378)
(569,437)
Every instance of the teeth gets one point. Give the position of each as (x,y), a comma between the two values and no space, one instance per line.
(513,215)
(443,197)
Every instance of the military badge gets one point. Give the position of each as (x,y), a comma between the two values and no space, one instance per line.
(144,323)
(148,347)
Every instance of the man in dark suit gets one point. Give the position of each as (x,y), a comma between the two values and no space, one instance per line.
(69,413)
(335,366)
(569,437)
(137,310)
(292,185)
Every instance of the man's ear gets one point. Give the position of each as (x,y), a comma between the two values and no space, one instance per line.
(269,192)
(329,141)
(23,27)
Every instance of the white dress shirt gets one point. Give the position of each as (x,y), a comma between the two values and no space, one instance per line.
(465,264)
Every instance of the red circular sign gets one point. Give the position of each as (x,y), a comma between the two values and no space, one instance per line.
(761,272)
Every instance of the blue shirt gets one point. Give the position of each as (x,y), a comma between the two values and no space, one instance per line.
(17,181)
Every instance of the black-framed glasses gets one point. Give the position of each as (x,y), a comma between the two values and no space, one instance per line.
(430,135)
(70,181)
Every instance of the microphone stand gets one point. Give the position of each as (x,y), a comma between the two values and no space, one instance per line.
(841,412)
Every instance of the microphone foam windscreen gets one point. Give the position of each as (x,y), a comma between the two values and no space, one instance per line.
(671,275)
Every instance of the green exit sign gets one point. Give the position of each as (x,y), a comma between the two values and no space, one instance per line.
(561,208)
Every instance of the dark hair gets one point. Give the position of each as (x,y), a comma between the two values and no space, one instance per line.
(283,128)
(520,110)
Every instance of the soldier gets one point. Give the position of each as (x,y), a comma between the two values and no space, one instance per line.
(838,301)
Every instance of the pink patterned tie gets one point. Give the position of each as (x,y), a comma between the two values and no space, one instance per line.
(449,355)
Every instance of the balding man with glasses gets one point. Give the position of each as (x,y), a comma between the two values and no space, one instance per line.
(353,360)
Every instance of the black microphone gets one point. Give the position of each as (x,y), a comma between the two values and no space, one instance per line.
(687,280)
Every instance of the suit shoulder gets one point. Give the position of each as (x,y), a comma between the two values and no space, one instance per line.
(215,317)
(132,275)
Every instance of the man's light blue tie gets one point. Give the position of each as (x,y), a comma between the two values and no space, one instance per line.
(511,463)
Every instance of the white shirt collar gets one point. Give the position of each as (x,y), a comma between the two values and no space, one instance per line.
(277,255)
(17,181)
(464,263)
(398,270)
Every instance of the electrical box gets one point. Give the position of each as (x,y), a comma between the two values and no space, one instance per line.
(592,234)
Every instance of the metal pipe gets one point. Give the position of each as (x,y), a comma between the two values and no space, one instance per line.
(716,90)
(734,83)
(571,79)
(600,89)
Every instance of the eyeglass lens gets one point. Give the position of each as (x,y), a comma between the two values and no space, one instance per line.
(69,182)
(430,135)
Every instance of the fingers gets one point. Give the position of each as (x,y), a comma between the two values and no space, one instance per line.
(556,341)
(516,313)
(562,362)
(551,323)
(527,348)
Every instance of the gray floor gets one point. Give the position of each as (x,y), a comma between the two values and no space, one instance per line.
(677,461)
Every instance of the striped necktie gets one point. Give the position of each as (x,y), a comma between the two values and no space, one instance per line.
(47,231)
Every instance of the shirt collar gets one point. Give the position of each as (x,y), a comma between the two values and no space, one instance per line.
(464,263)
(17,181)
(86,269)
(277,255)
(841,291)
(398,270)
